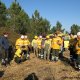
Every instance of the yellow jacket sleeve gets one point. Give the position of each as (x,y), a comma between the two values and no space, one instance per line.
(77,47)
(18,52)
(17,44)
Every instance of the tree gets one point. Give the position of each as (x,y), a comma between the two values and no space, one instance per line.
(23,24)
(44,26)
(14,11)
(38,24)
(53,29)
(19,20)
(3,14)
(75,28)
(57,28)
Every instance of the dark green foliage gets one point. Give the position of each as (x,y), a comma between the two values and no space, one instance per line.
(75,28)
(38,24)
(2,15)
(58,28)
(19,20)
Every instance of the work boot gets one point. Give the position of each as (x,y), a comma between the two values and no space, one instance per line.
(56,58)
(3,62)
(41,56)
(28,56)
(6,60)
(53,58)
(75,64)
(79,67)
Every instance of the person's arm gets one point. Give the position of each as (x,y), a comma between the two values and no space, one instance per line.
(32,42)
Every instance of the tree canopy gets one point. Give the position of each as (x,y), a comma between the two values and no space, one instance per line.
(3,15)
(19,21)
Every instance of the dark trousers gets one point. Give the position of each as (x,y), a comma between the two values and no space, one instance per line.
(73,55)
(39,51)
(5,54)
(26,54)
(55,52)
(78,59)
(18,60)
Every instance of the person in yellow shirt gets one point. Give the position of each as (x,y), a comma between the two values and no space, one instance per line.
(21,49)
(56,46)
(19,42)
(39,46)
(35,45)
(18,53)
(47,48)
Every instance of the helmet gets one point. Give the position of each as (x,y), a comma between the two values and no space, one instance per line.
(60,35)
(78,34)
(35,37)
(40,36)
(25,36)
(47,36)
(22,36)
(75,36)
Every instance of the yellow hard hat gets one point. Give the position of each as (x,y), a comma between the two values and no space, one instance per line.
(59,34)
(47,36)
(35,37)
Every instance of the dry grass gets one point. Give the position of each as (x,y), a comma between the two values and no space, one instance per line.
(43,70)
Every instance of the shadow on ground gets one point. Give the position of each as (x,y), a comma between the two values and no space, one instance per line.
(1,73)
(31,76)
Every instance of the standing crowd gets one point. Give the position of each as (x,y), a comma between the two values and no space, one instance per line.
(48,47)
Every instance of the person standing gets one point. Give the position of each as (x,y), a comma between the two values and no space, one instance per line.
(56,46)
(39,46)
(35,45)
(47,48)
(20,54)
(4,48)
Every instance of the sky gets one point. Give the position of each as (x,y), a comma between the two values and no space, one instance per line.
(67,12)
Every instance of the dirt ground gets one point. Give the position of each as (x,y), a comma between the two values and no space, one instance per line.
(40,70)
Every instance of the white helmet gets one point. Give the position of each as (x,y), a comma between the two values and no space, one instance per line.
(40,36)
(78,34)
(22,36)
(25,36)
(75,36)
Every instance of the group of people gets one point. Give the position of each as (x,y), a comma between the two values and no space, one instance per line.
(49,48)
(45,47)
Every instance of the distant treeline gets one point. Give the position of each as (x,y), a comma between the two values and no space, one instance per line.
(19,21)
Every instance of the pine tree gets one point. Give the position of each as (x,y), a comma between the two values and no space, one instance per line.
(18,18)
(3,15)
